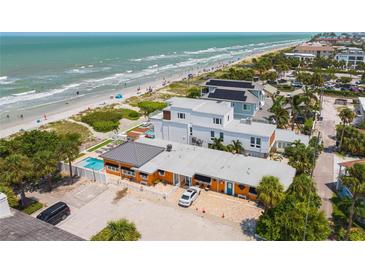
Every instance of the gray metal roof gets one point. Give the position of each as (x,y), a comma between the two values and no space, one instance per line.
(135,154)
(22,227)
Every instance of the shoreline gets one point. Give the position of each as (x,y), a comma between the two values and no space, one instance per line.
(72,106)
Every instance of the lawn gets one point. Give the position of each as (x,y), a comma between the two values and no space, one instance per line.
(100,145)
(63,127)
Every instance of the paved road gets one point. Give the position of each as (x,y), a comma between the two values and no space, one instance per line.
(324,170)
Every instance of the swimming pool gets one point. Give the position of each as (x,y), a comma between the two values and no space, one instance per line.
(92,163)
(150,133)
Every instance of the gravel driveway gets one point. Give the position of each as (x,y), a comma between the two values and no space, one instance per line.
(156,220)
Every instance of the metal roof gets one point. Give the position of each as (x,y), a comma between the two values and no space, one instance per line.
(189,160)
(135,154)
(22,227)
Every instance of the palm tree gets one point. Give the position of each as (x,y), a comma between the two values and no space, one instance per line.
(296,107)
(355,181)
(120,230)
(69,148)
(45,162)
(281,117)
(238,147)
(270,192)
(17,169)
(303,188)
(218,144)
(347,116)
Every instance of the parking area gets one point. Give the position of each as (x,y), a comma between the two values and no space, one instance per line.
(93,205)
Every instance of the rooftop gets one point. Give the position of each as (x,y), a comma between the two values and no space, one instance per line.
(200,105)
(239,84)
(290,136)
(351,163)
(135,154)
(233,95)
(314,46)
(22,227)
(189,160)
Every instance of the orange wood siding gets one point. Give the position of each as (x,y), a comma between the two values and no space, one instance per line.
(272,138)
(168,177)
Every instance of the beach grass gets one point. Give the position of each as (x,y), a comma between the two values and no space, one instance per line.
(64,127)
(104,143)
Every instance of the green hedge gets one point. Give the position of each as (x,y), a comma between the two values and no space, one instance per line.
(33,207)
(353,141)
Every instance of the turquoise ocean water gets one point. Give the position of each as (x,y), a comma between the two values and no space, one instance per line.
(38,69)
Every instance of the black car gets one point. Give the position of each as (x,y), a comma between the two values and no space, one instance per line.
(55,214)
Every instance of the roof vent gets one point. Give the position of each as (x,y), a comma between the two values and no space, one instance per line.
(168,147)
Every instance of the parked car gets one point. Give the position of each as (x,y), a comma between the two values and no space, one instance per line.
(189,196)
(55,213)
(282,81)
(297,84)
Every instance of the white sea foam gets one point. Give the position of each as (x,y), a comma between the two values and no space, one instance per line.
(4,80)
(25,93)
(30,95)
(129,71)
(153,66)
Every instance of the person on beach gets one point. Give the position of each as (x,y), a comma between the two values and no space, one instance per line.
(21,116)
(8,116)
(45,117)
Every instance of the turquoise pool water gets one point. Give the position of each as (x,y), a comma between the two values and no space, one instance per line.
(92,163)
(150,133)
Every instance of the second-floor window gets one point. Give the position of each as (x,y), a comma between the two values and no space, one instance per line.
(217,121)
(181,115)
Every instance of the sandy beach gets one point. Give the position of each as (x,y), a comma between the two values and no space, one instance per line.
(34,118)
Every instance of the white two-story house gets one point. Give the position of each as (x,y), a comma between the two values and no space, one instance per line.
(198,122)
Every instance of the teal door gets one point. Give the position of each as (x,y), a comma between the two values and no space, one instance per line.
(229,188)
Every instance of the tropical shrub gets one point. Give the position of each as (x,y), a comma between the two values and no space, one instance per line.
(12,198)
(105,126)
(31,208)
(147,107)
(353,140)
(120,230)
(193,92)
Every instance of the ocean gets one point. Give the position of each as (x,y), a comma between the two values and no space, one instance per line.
(43,69)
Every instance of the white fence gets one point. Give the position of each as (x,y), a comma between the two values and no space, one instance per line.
(92,175)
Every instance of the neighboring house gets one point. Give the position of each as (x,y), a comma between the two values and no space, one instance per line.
(343,190)
(300,56)
(18,226)
(362,108)
(151,160)
(352,57)
(245,97)
(199,122)
(316,49)
(286,137)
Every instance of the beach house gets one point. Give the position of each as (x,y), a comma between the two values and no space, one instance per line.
(245,97)
(148,161)
(199,122)
(351,56)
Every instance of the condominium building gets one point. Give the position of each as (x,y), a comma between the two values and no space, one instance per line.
(352,57)
(316,49)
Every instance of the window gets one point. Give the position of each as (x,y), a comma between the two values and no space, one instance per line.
(181,115)
(244,107)
(221,136)
(114,168)
(161,172)
(252,141)
(191,131)
(217,121)
(228,118)
(143,176)
(128,172)
(255,142)
(212,134)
